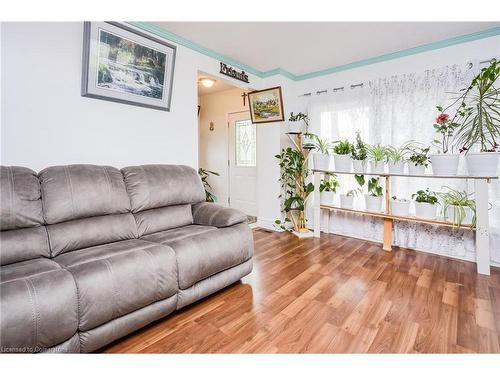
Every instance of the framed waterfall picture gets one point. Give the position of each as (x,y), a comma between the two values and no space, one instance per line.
(266,105)
(126,66)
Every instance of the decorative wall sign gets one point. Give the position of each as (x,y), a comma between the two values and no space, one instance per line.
(266,105)
(123,65)
(233,73)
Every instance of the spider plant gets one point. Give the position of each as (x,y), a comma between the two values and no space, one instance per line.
(398,153)
(323,146)
(479,112)
(459,200)
(377,153)
(204,174)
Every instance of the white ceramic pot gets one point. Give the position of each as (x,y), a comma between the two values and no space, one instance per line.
(342,163)
(450,215)
(294,126)
(359,166)
(482,163)
(327,197)
(416,169)
(396,167)
(377,167)
(444,164)
(373,204)
(400,208)
(323,162)
(425,210)
(346,201)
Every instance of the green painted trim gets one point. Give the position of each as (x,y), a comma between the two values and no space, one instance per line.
(157,30)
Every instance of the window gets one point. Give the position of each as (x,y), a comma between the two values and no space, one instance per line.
(245,144)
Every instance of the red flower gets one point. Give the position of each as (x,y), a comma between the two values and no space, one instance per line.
(442,119)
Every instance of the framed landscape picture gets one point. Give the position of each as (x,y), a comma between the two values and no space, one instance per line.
(266,105)
(123,65)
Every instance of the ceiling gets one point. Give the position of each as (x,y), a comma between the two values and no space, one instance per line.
(218,86)
(304,47)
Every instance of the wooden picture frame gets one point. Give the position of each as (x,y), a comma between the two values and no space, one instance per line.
(266,105)
(123,65)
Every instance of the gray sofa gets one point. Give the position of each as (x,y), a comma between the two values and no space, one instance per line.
(91,253)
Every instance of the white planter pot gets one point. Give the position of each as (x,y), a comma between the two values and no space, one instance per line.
(377,167)
(373,204)
(346,201)
(445,164)
(396,167)
(327,197)
(399,208)
(482,163)
(342,163)
(359,166)
(323,162)
(294,126)
(425,210)
(416,169)
(450,215)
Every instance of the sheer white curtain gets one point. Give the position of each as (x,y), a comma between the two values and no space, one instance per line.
(391,111)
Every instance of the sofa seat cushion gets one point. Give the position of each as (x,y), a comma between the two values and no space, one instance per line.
(206,254)
(120,277)
(38,305)
(176,234)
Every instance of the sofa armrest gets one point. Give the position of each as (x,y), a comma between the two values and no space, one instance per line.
(206,213)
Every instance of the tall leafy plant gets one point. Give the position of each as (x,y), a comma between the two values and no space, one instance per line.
(204,175)
(479,112)
(360,149)
(295,190)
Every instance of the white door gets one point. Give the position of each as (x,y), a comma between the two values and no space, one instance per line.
(242,163)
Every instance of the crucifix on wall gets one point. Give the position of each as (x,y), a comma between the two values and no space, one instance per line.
(244,96)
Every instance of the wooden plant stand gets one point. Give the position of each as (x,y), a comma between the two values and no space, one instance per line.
(481,197)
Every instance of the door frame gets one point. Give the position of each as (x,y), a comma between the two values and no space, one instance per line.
(229,156)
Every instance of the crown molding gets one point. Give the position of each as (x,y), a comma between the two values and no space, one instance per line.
(161,32)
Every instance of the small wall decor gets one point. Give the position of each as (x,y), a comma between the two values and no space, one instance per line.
(211,126)
(266,105)
(233,73)
(123,65)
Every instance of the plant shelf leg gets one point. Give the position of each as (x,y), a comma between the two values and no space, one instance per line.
(387,246)
(482,227)
(317,210)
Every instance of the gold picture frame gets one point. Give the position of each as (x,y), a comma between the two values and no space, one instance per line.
(266,105)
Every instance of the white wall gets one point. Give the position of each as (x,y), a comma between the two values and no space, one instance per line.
(213,148)
(45,120)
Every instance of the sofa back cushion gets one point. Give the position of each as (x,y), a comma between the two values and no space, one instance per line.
(85,205)
(23,235)
(161,195)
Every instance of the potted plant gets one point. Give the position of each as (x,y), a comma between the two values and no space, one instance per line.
(328,188)
(396,158)
(322,160)
(400,206)
(298,123)
(204,174)
(342,155)
(294,190)
(479,117)
(425,204)
(347,199)
(418,160)
(377,155)
(374,198)
(458,207)
(444,163)
(359,154)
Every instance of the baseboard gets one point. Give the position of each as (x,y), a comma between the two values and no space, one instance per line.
(267,224)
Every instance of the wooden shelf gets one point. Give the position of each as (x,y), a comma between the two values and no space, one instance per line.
(464,177)
(395,217)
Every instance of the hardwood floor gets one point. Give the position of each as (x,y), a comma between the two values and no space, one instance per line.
(336,295)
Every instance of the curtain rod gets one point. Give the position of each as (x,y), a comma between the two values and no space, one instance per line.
(341,88)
